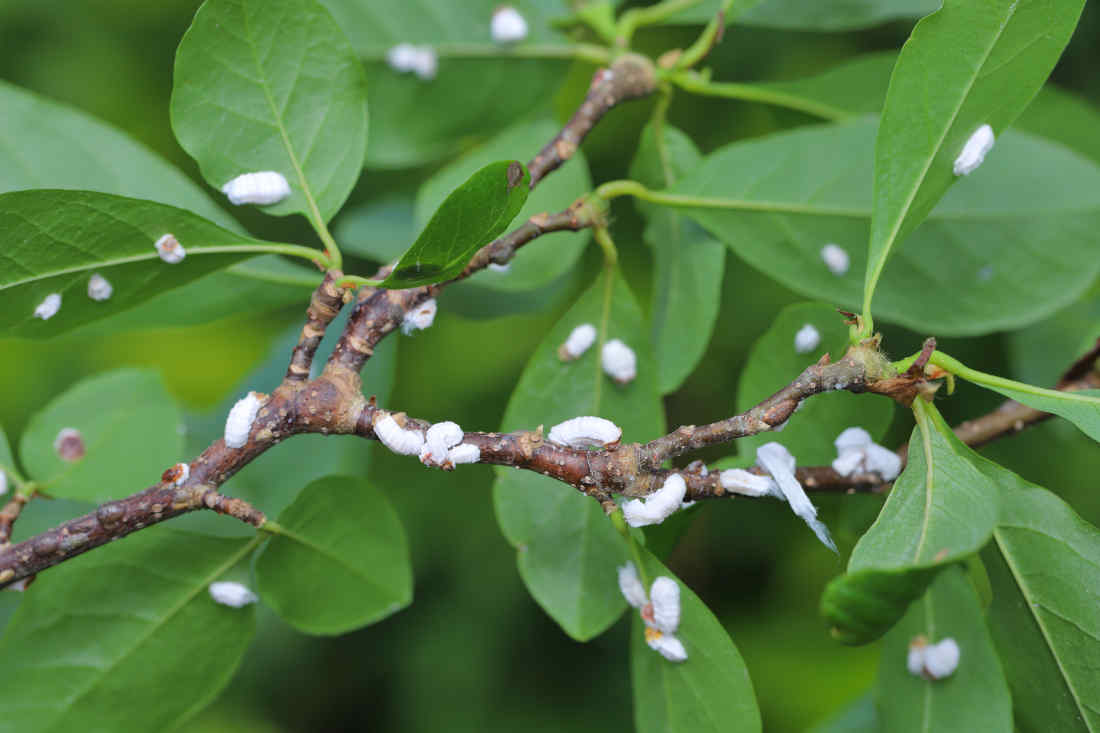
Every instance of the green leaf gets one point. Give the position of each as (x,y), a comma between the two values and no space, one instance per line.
(470,217)
(859,716)
(975,697)
(542,262)
(777,201)
(54,241)
(273,86)
(821,15)
(339,559)
(7,461)
(941,510)
(568,550)
(1063,117)
(710,691)
(1044,565)
(1039,353)
(130,429)
(774,362)
(125,638)
(688,263)
(480,87)
(380,228)
(964,66)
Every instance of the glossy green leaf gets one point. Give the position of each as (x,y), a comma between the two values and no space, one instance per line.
(471,216)
(778,200)
(54,241)
(858,717)
(1080,408)
(380,228)
(568,550)
(1040,353)
(688,263)
(941,510)
(821,15)
(1063,117)
(949,609)
(339,559)
(966,65)
(480,87)
(130,427)
(774,362)
(6,458)
(125,638)
(273,86)
(1044,565)
(710,691)
(544,261)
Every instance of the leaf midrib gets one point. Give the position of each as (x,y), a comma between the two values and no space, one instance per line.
(290,534)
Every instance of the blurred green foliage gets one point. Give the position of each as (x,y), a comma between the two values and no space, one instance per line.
(474,651)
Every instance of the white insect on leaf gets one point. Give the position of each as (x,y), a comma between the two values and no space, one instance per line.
(974,152)
(631,586)
(238,424)
(420,60)
(660,610)
(262,187)
(619,362)
(806,339)
(857,453)
(420,317)
(401,441)
(440,438)
(658,506)
(585,432)
(502,269)
(835,258)
(579,341)
(780,464)
(49,307)
(169,249)
(507,25)
(99,288)
(3,483)
(69,445)
(229,593)
(932,661)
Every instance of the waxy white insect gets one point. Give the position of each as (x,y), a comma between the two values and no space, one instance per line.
(658,506)
(660,610)
(69,445)
(778,461)
(262,187)
(439,439)
(3,483)
(496,267)
(747,483)
(49,307)
(932,661)
(229,593)
(177,474)
(974,152)
(507,25)
(619,361)
(169,249)
(857,453)
(20,585)
(463,453)
(400,440)
(421,60)
(420,317)
(579,341)
(99,288)
(238,424)
(585,432)
(835,258)
(806,339)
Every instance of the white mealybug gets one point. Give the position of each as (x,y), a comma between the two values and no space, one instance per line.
(439,439)
(806,339)
(579,341)
(3,483)
(169,249)
(399,440)
(497,267)
(658,506)
(232,594)
(835,258)
(463,453)
(778,461)
(507,25)
(420,317)
(49,307)
(660,610)
(69,445)
(933,661)
(238,424)
(973,153)
(857,453)
(585,432)
(262,187)
(747,483)
(99,288)
(421,60)
(177,474)
(619,361)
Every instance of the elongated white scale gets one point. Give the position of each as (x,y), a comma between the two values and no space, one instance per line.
(99,288)
(659,609)
(747,483)
(619,361)
(974,152)
(585,432)
(398,439)
(631,586)
(234,595)
(420,317)
(263,188)
(49,307)
(420,60)
(463,453)
(579,341)
(658,506)
(933,661)
(496,267)
(835,258)
(238,424)
(507,25)
(439,439)
(778,461)
(169,249)
(3,483)
(664,594)
(806,339)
